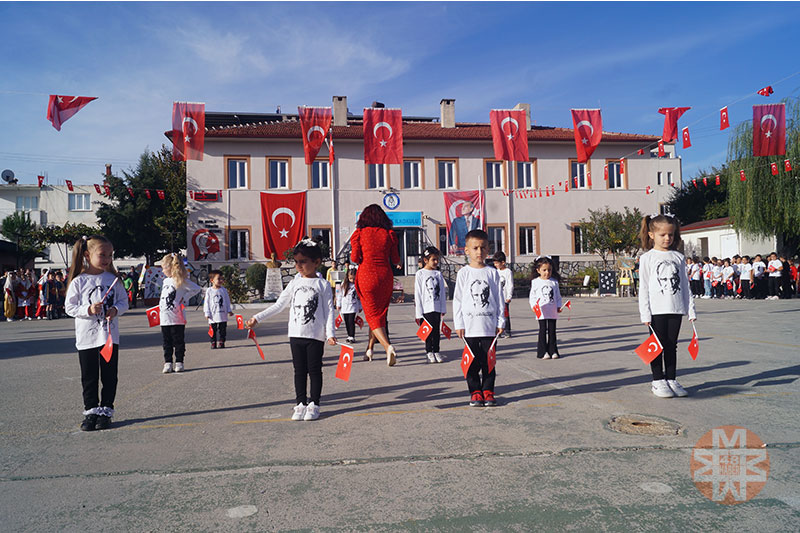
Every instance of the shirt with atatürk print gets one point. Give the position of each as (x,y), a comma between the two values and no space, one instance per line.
(91,331)
(217,305)
(310,306)
(546,293)
(348,303)
(430,292)
(478,306)
(173,299)
(664,287)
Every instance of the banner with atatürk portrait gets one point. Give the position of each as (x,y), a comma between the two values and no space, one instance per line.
(465,211)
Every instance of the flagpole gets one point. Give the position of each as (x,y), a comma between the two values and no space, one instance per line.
(511,232)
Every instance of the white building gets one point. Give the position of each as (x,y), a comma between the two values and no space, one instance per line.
(718,238)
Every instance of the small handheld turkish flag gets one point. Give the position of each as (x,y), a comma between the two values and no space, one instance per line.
(650,348)
(568,305)
(537,310)
(446,331)
(723,118)
(239,322)
(211,331)
(774,168)
(466,359)
(69,185)
(766,91)
(787,165)
(694,346)
(491,355)
(345,363)
(252,335)
(108,349)
(154,316)
(424,330)
(359,322)
(687,142)
(338,321)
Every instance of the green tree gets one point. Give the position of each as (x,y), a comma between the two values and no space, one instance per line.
(256,275)
(22,231)
(611,234)
(140,226)
(235,282)
(705,202)
(65,235)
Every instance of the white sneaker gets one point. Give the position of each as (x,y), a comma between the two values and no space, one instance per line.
(167,368)
(351,340)
(299,412)
(431,358)
(546,356)
(679,391)
(554,356)
(178,367)
(312,412)
(661,389)
(438,357)
(705,297)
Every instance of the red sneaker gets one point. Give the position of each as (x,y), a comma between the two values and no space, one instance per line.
(488,399)
(476,400)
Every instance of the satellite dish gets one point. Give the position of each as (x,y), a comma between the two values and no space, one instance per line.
(8,176)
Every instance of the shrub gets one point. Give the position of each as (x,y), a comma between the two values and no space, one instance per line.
(235,283)
(256,276)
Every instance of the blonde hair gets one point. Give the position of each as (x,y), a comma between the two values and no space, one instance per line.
(649,224)
(177,270)
(79,262)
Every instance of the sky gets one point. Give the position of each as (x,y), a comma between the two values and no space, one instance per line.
(628,58)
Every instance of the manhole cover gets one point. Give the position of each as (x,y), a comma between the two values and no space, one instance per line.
(644,425)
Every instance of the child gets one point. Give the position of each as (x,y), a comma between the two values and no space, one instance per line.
(308,297)
(175,291)
(545,292)
(348,304)
(696,278)
(745,276)
(664,297)
(716,277)
(49,295)
(217,308)
(727,278)
(506,288)
(478,315)
(759,268)
(774,267)
(430,300)
(94,300)
(9,291)
(707,268)
(24,288)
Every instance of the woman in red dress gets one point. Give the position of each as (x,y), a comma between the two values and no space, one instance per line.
(374,248)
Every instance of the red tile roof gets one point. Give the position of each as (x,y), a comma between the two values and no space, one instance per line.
(713,223)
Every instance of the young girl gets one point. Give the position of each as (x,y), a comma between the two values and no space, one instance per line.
(664,297)
(24,297)
(175,293)
(506,287)
(430,300)
(311,319)
(347,303)
(545,293)
(94,300)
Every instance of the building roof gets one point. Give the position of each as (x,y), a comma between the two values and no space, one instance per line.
(705,224)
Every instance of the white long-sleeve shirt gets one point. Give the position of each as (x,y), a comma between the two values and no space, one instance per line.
(217,305)
(746,270)
(478,306)
(430,292)
(91,331)
(664,288)
(311,313)
(696,272)
(775,267)
(727,273)
(506,283)
(758,269)
(173,299)
(349,303)
(546,292)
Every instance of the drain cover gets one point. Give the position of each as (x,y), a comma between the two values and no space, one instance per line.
(644,425)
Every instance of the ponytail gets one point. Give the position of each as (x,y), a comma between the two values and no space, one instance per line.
(648,224)
(79,261)
(177,269)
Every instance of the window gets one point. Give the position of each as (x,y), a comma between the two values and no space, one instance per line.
(528,243)
(497,239)
(237,172)
(278,173)
(319,175)
(325,234)
(669,179)
(446,174)
(27,203)
(660,178)
(79,202)
(663,209)
(239,244)
(377,176)
(412,174)
(578,170)
(443,245)
(578,241)
(614,175)
(525,174)
(494,174)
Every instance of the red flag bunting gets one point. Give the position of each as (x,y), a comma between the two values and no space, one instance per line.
(605,172)
(61,108)
(424,330)
(705,181)
(69,185)
(742,176)
(717,181)
(252,335)
(687,142)
(723,118)
(147,193)
(509,134)
(769,129)
(640,151)
(647,190)
(446,331)
(130,191)
(588,129)
(766,91)
(787,165)
(41,180)
(466,359)
(649,349)
(345,363)
(566,186)
(97,188)
(188,131)
(671,116)
(283,221)
(154,316)
(547,190)
(694,345)
(622,167)
(774,168)
(107,189)
(694,182)
(160,194)
(588,181)
(661,152)
(239,322)
(383,136)
(315,122)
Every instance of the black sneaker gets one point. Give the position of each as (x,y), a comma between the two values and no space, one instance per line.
(222,345)
(476,400)
(213,345)
(89,423)
(103,422)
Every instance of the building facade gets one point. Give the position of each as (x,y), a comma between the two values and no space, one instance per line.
(718,238)
(245,155)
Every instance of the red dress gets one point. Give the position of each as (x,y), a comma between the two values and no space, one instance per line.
(375,250)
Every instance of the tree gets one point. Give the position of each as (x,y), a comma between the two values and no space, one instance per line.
(140,226)
(21,230)
(705,202)
(256,276)
(67,235)
(610,234)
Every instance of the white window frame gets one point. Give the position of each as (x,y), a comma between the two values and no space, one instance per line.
(281,178)
(580,172)
(490,231)
(237,171)
(494,174)
(27,203)
(380,172)
(577,235)
(527,240)
(524,175)
(321,167)
(449,167)
(415,171)
(669,178)
(235,250)
(659,178)
(85,201)
(615,177)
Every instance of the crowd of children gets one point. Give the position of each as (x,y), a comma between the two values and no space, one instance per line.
(744,277)
(27,298)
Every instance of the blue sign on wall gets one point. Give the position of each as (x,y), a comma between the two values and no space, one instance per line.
(403,219)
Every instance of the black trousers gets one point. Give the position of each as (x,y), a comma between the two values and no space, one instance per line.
(786,287)
(173,341)
(760,289)
(773,283)
(746,289)
(478,376)
(350,323)
(547,337)
(667,328)
(220,331)
(95,369)
(307,361)
(432,342)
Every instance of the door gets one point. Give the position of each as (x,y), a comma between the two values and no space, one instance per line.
(729,244)
(408,247)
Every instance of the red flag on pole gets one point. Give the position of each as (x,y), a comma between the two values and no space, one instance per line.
(671,116)
(622,166)
(742,176)
(188,130)
(466,359)
(588,128)
(787,165)
(687,142)
(331,155)
(717,181)
(766,91)
(424,330)
(605,172)
(69,185)
(338,321)
(345,363)
(147,193)
(661,152)
(108,349)
(41,180)
(315,122)
(154,316)
(650,348)
(446,331)
(97,188)
(509,134)
(774,168)
(239,322)
(537,310)
(723,118)
(694,346)
(491,355)
(769,129)
(130,191)
(283,220)
(61,108)
(252,335)
(359,321)
(160,194)
(383,136)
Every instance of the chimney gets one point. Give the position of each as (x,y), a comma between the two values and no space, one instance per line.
(448,112)
(378,105)
(340,111)
(108,169)
(527,108)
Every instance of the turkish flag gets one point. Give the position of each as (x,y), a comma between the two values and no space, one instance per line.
(766,91)
(41,181)
(647,190)
(160,194)
(331,153)
(661,152)
(147,193)
(705,181)
(769,129)
(717,181)
(742,176)
(774,168)
(383,136)
(588,128)
(568,305)
(108,190)
(154,316)
(69,185)
(694,346)
(466,359)
(130,191)
(640,151)
(239,322)
(97,188)
(588,181)
(345,363)
(446,331)
(621,167)
(424,330)
(605,172)
(314,123)
(649,349)
(723,118)
(108,349)
(210,331)
(694,182)
(787,165)
(338,321)
(359,321)
(188,131)
(509,134)
(252,335)
(687,142)
(537,310)
(283,220)
(491,355)
(60,108)
(671,116)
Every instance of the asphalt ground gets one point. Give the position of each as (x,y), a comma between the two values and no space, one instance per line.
(398,448)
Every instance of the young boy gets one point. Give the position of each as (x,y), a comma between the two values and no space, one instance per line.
(759,268)
(716,277)
(707,267)
(745,277)
(217,308)
(506,289)
(478,315)
(727,279)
